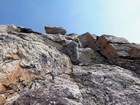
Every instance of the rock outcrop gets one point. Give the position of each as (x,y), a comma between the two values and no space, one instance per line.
(35,71)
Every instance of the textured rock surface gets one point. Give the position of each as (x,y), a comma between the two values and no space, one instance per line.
(55,30)
(105,39)
(34,68)
(107,85)
(113,47)
(135,51)
(62,91)
(24,56)
(88,56)
(88,40)
(98,84)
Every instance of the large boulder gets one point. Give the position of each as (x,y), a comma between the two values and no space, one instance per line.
(114,47)
(119,51)
(55,30)
(112,51)
(135,52)
(88,40)
(105,39)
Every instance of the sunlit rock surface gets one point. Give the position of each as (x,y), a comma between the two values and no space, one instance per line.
(35,71)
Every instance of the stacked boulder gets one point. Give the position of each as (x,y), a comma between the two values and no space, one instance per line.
(113,47)
(100,49)
(115,50)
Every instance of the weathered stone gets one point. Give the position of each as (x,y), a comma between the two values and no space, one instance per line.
(54,40)
(74,38)
(9,28)
(88,56)
(13,28)
(88,40)
(107,85)
(105,39)
(2,100)
(12,98)
(112,51)
(63,91)
(55,30)
(71,49)
(34,68)
(25,56)
(33,54)
(124,63)
(117,50)
(137,66)
(12,77)
(135,52)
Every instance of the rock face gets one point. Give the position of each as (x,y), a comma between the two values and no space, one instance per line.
(23,56)
(107,85)
(34,68)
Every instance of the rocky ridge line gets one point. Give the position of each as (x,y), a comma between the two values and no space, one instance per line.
(34,70)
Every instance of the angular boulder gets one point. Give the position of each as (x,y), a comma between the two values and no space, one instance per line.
(135,52)
(55,30)
(119,51)
(114,47)
(105,39)
(112,51)
(88,40)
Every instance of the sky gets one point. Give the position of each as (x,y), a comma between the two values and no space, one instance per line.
(114,17)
